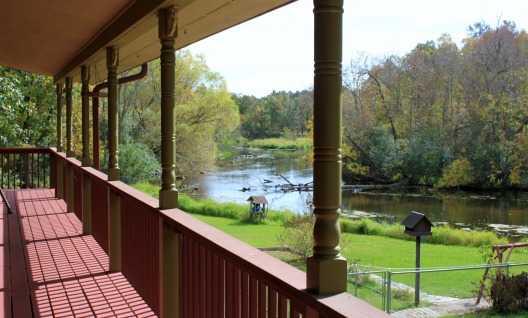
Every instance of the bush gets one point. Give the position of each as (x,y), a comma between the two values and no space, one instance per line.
(138,163)
(297,235)
(458,173)
(441,234)
(510,293)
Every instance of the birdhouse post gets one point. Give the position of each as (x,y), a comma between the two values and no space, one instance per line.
(417,225)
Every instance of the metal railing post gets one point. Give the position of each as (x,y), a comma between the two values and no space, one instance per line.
(389,291)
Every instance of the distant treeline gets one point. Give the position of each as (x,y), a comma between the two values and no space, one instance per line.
(441,115)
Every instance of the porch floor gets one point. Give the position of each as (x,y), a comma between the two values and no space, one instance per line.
(50,269)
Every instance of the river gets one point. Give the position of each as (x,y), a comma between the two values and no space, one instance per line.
(260,171)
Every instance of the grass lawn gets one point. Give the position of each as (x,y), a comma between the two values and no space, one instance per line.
(384,252)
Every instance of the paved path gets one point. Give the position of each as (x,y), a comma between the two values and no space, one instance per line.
(441,309)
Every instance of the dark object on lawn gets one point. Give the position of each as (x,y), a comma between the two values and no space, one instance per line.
(510,293)
(258,206)
(418,225)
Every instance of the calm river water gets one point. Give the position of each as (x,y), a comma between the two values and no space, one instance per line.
(260,172)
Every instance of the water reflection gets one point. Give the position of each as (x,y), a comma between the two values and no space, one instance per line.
(260,173)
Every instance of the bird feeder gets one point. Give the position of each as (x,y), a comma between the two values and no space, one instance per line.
(417,225)
(258,206)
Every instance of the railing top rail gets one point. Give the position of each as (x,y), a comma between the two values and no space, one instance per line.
(24,150)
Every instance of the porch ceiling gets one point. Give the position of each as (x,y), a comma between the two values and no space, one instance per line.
(56,37)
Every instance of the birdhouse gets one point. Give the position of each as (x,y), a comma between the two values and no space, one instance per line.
(258,206)
(417,224)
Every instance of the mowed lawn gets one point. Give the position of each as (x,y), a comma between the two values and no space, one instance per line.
(384,252)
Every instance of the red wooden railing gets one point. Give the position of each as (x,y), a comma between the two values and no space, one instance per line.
(25,168)
(218,275)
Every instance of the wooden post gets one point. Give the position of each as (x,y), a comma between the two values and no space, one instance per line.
(112,60)
(69,151)
(85,96)
(170,282)
(86,182)
(167,31)
(95,133)
(417,275)
(168,196)
(59,193)
(114,215)
(59,116)
(327,269)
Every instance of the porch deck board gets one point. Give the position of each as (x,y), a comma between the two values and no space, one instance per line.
(50,269)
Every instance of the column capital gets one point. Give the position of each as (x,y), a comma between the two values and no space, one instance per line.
(59,86)
(112,58)
(167,25)
(85,74)
(68,83)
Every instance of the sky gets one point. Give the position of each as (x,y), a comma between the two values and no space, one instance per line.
(275,51)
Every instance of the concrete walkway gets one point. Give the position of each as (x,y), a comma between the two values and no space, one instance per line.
(445,308)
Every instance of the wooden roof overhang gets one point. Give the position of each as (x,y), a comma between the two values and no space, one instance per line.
(56,37)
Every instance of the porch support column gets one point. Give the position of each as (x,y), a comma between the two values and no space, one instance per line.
(59,87)
(114,201)
(168,196)
(69,151)
(68,173)
(112,60)
(167,30)
(59,183)
(86,182)
(327,269)
(85,99)
(95,132)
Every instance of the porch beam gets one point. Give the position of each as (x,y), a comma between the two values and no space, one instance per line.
(327,269)
(167,32)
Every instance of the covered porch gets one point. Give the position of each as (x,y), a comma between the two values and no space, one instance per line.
(79,242)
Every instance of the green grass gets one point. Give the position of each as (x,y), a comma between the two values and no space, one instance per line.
(383,252)
(281,143)
(443,235)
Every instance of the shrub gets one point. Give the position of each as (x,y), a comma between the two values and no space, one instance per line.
(138,163)
(297,235)
(458,173)
(441,234)
(510,293)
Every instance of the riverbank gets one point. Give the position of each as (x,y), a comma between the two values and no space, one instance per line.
(300,143)
(444,235)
